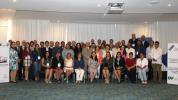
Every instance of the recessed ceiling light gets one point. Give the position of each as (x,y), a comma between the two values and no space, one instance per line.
(152,2)
(14,0)
(98,5)
(169,5)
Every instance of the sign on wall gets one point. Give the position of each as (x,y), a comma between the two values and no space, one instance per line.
(4,63)
(172,71)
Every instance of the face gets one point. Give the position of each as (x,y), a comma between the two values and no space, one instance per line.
(27,45)
(68,55)
(47,44)
(111,41)
(133,36)
(23,42)
(107,54)
(93,54)
(47,54)
(57,44)
(51,43)
(151,43)
(128,45)
(63,44)
(142,37)
(42,44)
(58,54)
(37,46)
(18,43)
(13,45)
(118,54)
(156,45)
(141,55)
(123,42)
(99,41)
(138,43)
(79,55)
(130,55)
(97,48)
(67,46)
(78,45)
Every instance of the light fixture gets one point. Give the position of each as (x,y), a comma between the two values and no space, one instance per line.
(98,5)
(169,5)
(14,1)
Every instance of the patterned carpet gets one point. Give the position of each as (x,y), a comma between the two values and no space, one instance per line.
(89,91)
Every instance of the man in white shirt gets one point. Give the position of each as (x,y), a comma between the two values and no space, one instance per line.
(157,62)
(115,49)
(130,49)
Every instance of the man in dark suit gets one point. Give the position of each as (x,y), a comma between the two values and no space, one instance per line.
(133,41)
(144,42)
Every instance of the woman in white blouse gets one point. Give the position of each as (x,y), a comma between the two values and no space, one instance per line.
(68,65)
(142,68)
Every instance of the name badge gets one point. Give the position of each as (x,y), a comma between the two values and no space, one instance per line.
(133,45)
(59,65)
(137,53)
(39,57)
(47,64)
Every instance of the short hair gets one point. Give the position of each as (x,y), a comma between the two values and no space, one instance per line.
(131,53)
(157,42)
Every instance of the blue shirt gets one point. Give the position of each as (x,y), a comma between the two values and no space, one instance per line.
(79,64)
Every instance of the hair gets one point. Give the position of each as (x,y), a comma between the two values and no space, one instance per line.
(131,53)
(96,59)
(78,54)
(118,53)
(45,55)
(109,54)
(157,42)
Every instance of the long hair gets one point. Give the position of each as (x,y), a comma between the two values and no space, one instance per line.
(96,59)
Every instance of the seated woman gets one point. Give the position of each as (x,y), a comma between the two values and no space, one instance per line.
(57,66)
(79,68)
(93,65)
(142,68)
(46,62)
(131,67)
(68,66)
(119,65)
(107,67)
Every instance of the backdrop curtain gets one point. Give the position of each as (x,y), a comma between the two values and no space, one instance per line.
(41,30)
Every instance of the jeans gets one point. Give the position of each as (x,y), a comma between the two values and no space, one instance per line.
(37,68)
(142,74)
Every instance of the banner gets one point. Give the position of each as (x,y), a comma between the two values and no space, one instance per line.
(172,71)
(4,63)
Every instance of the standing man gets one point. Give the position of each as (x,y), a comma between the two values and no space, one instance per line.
(157,62)
(133,40)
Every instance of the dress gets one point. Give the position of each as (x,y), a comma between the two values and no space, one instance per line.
(13,57)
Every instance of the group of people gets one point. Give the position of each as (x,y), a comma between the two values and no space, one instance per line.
(88,60)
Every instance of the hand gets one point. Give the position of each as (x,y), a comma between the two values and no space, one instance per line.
(154,59)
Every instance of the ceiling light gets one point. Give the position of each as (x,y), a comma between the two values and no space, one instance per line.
(14,0)
(152,2)
(98,5)
(169,5)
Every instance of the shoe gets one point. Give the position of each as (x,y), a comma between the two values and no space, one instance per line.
(49,82)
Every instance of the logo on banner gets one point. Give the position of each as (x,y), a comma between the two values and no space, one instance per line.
(170,77)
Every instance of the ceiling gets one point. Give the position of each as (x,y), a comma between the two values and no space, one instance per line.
(92,6)
(91,10)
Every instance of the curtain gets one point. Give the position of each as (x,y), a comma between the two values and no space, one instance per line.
(41,30)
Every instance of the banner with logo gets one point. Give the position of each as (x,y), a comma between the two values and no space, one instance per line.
(172,71)
(4,62)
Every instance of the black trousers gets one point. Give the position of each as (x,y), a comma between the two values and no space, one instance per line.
(132,75)
(20,69)
(150,72)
